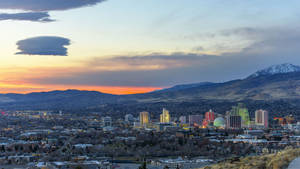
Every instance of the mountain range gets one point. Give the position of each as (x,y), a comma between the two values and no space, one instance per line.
(273,83)
(278,82)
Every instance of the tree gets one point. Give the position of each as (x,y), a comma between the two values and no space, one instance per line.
(143,166)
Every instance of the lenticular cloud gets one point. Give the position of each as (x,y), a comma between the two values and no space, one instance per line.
(38,9)
(28,16)
(43,45)
(46,5)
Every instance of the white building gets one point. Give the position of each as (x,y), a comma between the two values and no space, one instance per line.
(182,119)
(107,121)
(262,118)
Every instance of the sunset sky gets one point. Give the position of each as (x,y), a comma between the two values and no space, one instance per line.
(135,46)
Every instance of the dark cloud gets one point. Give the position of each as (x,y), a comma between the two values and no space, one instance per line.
(43,45)
(46,5)
(28,16)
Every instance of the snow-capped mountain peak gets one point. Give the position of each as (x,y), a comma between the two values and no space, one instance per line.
(276,69)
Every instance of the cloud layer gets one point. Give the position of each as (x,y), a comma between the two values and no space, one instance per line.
(39,8)
(268,47)
(155,61)
(29,16)
(46,5)
(43,45)
(155,70)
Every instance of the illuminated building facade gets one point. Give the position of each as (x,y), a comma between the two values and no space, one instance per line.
(242,111)
(165,116)
(195,120)
(234,122)
(285,120)
(209,118)
(262,118)
(219,122)
(182,119)
(144,118)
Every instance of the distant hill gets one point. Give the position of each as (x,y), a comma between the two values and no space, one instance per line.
(185,86)
(276,83)
(68,99)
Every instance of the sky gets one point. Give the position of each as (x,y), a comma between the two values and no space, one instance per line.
(134,46)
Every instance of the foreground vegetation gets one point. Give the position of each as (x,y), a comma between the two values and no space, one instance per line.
(279,160)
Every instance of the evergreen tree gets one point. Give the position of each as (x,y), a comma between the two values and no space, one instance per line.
(166,167)
(143,166)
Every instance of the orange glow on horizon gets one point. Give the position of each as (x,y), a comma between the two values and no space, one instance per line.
(21,80)
(118,90)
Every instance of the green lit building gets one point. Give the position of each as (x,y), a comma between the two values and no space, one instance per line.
(241,110)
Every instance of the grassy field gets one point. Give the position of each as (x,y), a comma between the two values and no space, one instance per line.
(279,160)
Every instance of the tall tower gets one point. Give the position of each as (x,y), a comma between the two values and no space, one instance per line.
(234,122)
(209,118)
(165,116)
(262,118)
(242,111)
(144,118)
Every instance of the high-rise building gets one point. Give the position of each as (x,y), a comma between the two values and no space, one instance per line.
(209,118)
(144,118)
(182,119)
(107,121)
(234,122)
(242,111)
(195,120)
(60,112)
(262,118)
(165,116)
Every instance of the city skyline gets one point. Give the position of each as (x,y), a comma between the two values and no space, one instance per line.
(129,46)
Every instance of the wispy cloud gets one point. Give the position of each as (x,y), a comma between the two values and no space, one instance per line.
(154,61)
(43,45)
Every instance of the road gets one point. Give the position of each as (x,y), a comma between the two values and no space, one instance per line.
(295,164)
